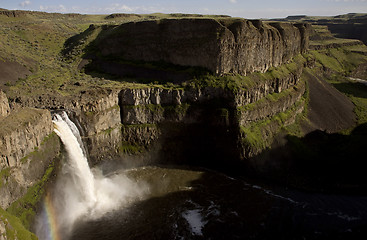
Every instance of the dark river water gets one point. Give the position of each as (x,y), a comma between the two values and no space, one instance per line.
(200,204)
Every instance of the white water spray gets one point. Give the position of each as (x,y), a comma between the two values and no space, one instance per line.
(78,163)
(81,192)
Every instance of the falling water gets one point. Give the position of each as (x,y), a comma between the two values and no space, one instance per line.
(78,162)
(81,192)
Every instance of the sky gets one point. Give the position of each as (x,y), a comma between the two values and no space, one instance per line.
(235,8)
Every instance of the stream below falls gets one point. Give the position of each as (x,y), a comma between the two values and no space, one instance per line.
(159,202)
(196,204)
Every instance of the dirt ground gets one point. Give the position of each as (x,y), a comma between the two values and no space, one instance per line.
(11,72)
(329,109)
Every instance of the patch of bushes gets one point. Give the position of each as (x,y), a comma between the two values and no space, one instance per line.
(127,148)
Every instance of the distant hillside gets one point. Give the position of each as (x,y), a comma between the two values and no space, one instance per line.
(351,25)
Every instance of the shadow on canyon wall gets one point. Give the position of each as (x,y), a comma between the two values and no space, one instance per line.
(320,161)
(119,69)
(358,90)
(141,72)
(352,30)
(209,141)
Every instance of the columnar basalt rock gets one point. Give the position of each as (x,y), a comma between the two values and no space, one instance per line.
(221,46)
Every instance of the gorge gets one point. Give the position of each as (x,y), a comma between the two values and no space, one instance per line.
(199,114)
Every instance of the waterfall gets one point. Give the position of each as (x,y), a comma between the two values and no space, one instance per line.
(81,174)
(81,193)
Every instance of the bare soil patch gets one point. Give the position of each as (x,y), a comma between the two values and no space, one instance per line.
(10,72)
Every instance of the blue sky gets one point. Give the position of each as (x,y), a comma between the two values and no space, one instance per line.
(235,8)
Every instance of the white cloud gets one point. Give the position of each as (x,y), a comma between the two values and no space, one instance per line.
(25,3)
(116,7)
(60,8)
(233,1)
(120,8)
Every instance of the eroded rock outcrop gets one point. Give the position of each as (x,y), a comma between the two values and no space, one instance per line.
(222,46)
(21,132)
(4,105)
(27,148)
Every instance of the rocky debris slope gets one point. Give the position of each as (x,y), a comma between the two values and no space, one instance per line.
(221,46)
(329,109)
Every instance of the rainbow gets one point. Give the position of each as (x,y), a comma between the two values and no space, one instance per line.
(52,225)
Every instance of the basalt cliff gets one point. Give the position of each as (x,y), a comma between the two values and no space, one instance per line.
(221,46)
(246,97)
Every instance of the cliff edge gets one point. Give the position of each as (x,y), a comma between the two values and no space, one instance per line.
(219,45)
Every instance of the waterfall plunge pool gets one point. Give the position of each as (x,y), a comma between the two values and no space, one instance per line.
(156,202)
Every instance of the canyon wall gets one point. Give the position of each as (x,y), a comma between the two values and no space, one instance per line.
(175,125)
(118,122)
(27,148)
(21,132)
(221,46)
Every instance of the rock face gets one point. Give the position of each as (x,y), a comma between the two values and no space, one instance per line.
(4,105)
(21,132)
(221,46)
(116,122)
(27,147)
(193,113)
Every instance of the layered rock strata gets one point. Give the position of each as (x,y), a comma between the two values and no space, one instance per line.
(221,46)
